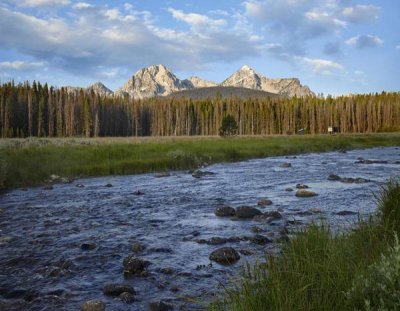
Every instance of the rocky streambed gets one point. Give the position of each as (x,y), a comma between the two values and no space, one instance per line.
(168,241)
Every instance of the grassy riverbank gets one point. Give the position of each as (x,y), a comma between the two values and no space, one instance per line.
(26,162)
(359,270)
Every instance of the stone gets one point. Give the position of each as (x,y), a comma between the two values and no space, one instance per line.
(346,213)
(224,211)
(264,202)
(79,186)
(88,246)
(138,192)
(334,177)
(247,212)
(160,306)
(108,185)
(302,186)
(289,189)
(138,247)
(116,289)
(163,174)
(93,305)
(268,216)
(285,165)
(134,265)
(225,256)
(305,193)
(259,239)
(127,297)
(199,173)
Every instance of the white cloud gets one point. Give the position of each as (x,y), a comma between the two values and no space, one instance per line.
(39,3)
(325,19)
(94,42)
(364,41)
(361,13)
(20,65)
(322,66)
(398,47)
(194,19)
(82,6)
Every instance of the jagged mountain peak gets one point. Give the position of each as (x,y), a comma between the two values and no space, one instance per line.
(99,88)
(158,80)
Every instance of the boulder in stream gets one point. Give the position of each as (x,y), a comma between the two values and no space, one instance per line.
(199,173)
(247,212)
(224,211)
(225,256)
(134,265)
(264,202)
(305,193)
(93,305)
(160,306)
(116,289)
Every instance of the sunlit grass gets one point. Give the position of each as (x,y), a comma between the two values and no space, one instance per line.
(25,162)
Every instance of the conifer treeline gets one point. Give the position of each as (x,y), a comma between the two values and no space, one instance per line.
(39,110)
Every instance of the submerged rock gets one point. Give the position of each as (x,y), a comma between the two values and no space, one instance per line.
(160,306)
(163,174)
(334,177)
(259,239)
(138,247)
(363,161)
(305,193)
(358,180)
(138,192)
(289,189)
(108,185)
(93,305)
(302,186)
(264,202)
(224,211)
(127,297)
(48,187)
(268,216)
(88,246)
(199,173)
(285,165)
(246,212)
(117,289)
(225,256)
(346,213)
(134,265)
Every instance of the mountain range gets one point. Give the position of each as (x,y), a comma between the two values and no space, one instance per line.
(158,80)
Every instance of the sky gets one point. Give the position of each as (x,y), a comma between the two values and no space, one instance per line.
(333,46)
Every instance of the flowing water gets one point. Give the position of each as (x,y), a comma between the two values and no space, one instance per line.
(43,265)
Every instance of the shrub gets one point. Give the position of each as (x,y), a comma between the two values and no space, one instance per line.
(389,206)
(379,287)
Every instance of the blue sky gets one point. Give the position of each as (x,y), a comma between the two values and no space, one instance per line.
(333,46)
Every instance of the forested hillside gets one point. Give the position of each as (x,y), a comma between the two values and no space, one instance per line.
(38,110)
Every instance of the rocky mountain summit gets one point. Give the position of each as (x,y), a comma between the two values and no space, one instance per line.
(246,77)
(158,80)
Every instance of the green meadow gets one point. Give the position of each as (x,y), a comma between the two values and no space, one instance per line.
(31,161)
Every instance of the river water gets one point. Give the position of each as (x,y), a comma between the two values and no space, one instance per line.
(43,266)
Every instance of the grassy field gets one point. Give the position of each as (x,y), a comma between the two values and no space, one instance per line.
(26,162)
(317,270)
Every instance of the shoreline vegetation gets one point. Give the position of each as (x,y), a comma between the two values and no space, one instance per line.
(319,270)
(32,161)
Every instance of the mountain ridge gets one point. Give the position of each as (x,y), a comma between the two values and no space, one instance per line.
(158,80)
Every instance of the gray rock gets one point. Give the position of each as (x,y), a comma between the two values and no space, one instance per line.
(264,202)
(163,174)
(117,289)
(224,211)
(302,186)
(93,305)
(134,265)
(225,256)
(334,177)
(285,165)
(108,185)
(268,216)
(199,173)
(259,239)
(127,297)
(305,193)
(246,212)
(346,213)
(289,189)
(138,247)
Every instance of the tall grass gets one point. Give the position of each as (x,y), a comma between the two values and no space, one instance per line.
(321,271)
(25,162)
